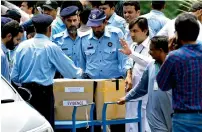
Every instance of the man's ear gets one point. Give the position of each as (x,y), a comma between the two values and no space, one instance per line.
(113,8)
(105,22)
(49,29)
(9,36)
(31,8)
(138,12)
(63,19)
(146,31)
(161,50)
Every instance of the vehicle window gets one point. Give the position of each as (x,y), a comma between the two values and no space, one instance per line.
(6,91)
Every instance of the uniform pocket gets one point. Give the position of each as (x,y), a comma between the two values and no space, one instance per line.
(67,52)
(89,52)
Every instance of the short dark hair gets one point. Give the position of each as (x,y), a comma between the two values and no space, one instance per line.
(141,22)
(84,15)
(160,42)
(30,4)
(110,3)
(196,6)
(11,27)
(158,5)
(95,4)
(14,14)
(136,4)
(187,27)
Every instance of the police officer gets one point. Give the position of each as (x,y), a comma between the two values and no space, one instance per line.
(11,33)
(99,56)
(35,64)
(68,40)
(50,8)
(112,18)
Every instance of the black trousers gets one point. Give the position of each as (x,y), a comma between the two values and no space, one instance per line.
(42,100)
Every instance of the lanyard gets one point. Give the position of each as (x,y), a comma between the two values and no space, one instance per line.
(157,68)
(139,52)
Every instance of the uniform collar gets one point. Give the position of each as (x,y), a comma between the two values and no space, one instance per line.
(111,18)
(38,35)
(3,47)
(106,33)
(156,12)
(66,34)
(145,43)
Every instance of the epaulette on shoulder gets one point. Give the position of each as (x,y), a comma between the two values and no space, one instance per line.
(115,30)
(58,35)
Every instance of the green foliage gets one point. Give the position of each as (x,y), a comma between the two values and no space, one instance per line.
(186,5)
(171,9)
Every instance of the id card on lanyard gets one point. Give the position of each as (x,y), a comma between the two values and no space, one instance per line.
(139,52)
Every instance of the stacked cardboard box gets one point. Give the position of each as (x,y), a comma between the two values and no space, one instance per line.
(70,92)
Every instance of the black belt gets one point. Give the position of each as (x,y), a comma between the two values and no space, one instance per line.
(187,111)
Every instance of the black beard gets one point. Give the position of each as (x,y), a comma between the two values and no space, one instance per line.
(72,30)
(10,45)
(98,34)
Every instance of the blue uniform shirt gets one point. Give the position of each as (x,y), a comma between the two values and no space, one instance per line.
(156,21)
(117,21)
(57,26)
(5,70)
(37,59)
(69,46)
(100,58)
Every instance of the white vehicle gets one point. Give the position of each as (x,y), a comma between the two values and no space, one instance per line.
(16,114)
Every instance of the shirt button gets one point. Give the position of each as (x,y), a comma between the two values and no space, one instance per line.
(100,51)
(101,70)
(99,41)
(74,53)
(100,60)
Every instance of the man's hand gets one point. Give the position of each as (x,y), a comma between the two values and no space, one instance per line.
(126,50)
(128,80)
(128,83)
(121,101)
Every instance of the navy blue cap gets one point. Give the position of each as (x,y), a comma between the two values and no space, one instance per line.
(69,11)
(42,20)
(96,18)
(5,20)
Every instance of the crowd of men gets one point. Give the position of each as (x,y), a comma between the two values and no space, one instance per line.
(160,59)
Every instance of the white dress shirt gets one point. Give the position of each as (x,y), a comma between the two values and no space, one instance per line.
(169,30)
(140,58)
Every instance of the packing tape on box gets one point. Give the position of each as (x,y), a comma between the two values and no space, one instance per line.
(87,125)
